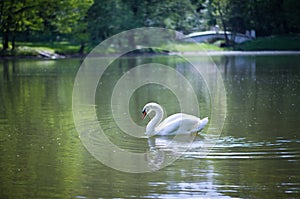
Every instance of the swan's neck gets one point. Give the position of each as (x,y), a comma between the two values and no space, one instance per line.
(150,130)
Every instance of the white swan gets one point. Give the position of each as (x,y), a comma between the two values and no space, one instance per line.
(178,123)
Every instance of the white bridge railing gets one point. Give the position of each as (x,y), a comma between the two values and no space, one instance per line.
(210,35)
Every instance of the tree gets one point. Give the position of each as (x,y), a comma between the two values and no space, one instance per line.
(108,17)
(16,16)
(37,15)
(78,24)
(291,10)
(222,10)
(267,17)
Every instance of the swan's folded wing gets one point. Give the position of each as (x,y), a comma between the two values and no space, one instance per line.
(168,128)
(172,118)
(178,124)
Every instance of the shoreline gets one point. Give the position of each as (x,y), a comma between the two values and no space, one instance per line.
(271,45)
(246,53)
(192,53)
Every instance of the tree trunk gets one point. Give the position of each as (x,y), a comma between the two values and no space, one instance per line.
(13,43)
(131,40)
(5,39)
(224,25)
(82,47)
(225,32)
(223,22)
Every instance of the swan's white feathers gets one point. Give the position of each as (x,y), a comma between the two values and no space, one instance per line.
(178,123)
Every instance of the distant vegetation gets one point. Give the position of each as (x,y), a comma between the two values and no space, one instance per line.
(75,26)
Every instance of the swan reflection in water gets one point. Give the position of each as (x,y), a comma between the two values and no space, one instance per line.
(163,150)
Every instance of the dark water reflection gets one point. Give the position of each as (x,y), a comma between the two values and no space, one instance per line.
(257,155)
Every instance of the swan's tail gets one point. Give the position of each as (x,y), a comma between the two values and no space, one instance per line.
(202,124)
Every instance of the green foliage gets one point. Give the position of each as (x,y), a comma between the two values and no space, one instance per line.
(88,22)
(108,17)
(267,17)
(291,9)
(55,16)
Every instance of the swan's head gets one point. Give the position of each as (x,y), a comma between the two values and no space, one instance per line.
(150,107)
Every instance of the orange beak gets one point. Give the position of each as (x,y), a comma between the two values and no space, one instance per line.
(144,114)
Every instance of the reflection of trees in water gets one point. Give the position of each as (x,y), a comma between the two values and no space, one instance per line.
(36,128)
(239,65)
(7,71)
(263,88)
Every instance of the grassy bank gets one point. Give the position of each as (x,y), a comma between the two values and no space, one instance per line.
(32,49)
(192,47)
(27,49)
(283,43)
(63,48)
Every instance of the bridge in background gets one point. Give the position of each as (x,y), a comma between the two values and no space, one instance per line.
(212,35)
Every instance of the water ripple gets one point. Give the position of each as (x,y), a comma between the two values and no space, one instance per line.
(231,148)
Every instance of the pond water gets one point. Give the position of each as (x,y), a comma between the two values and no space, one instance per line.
(257,155)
